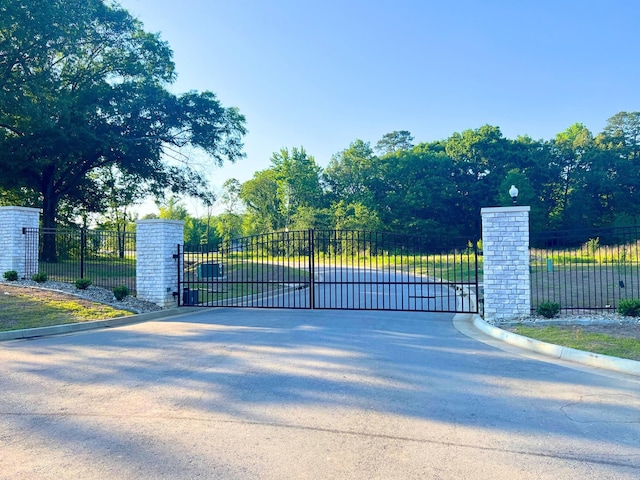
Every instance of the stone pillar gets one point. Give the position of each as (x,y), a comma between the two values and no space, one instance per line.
(156,268)
(16,253)
(505,250)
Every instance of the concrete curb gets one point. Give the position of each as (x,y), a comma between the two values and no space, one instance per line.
(606,362)
(94,325)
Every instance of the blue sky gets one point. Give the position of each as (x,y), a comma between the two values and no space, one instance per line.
(320,74)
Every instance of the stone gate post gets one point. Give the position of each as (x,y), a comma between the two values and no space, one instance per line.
(15,252)
(505,247)
(157,242)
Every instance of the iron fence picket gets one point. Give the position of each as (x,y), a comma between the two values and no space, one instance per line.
(585,269)
(107,258)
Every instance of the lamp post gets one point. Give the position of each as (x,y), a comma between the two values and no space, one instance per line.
(513,192)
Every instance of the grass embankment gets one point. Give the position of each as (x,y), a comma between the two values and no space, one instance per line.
(32,308)
(575,337)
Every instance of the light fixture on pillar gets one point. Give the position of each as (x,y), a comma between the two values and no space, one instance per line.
(513,192)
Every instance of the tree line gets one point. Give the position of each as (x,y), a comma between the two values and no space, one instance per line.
(436,189)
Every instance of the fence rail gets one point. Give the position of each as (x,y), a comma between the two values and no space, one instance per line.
(585,269)
(107,258)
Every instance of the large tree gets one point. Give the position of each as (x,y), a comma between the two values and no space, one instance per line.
(351,173)
(622,133)
(274,196)
(572,155)
(83,86)
(418,197)
(298,178)
(394,141)
(261,196)
(229,223)
(621,142)
(481,159)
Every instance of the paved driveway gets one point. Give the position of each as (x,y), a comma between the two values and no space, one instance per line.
(276,394)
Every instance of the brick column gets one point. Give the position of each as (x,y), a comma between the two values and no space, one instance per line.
(156,268)
(505,247)
(15,252)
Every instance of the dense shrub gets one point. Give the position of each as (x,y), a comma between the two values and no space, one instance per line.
(629,307)
(82,283)
(39,277)
(548,309)
(120,292)
(11,275)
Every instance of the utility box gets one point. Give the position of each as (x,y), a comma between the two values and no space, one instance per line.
(210,270)
(189,297)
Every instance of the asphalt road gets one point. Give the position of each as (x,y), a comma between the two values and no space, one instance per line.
(284,394)
(364,289)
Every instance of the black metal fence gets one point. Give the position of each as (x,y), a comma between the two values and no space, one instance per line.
(585,269)
(107,258)
(331,269)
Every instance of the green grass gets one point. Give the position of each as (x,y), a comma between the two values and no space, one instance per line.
(590,275)
(584,286)
(32,309)
(105,268)
(105,272)
(576,337)
(232,291)
(244,278)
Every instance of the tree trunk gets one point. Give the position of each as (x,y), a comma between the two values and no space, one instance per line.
(122,237)
(49,207)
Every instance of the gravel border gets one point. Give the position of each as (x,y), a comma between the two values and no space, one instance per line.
(582,318)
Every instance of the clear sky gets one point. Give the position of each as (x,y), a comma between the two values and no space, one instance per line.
(322,73)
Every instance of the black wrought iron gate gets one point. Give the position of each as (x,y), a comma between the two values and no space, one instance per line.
(331,269)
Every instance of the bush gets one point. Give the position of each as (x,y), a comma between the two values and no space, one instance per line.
(120,292)
(629,307)
(11,275)
(39,277)
(82,283)
(548,309)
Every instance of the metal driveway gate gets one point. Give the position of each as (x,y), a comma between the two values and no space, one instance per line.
(331,269)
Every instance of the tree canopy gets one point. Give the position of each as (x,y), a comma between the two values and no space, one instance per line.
(85,87)
(436,189)
(394,141)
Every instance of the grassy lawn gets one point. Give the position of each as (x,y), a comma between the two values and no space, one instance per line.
(31,308)
(584,285)
(575,337)
(103,272)
(244,278)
